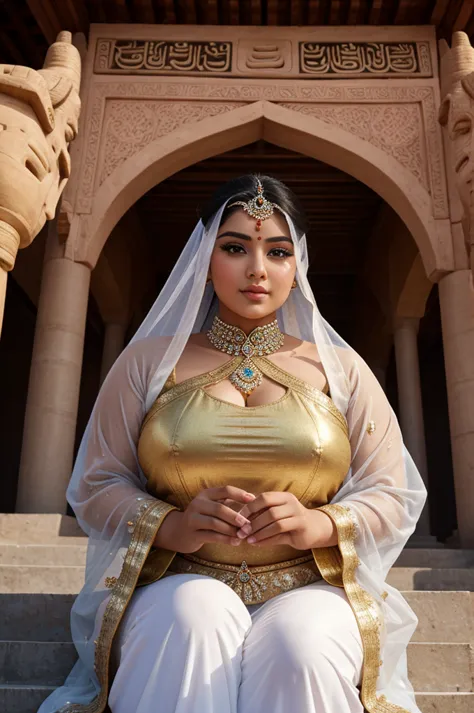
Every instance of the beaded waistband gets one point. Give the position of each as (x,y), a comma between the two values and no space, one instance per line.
(254,585)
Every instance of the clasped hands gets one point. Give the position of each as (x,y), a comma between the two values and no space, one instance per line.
(231,515)
(278,518)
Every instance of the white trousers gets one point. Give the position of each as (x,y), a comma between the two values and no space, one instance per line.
(188,644)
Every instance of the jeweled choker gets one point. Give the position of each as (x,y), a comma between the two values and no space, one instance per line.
(261,341)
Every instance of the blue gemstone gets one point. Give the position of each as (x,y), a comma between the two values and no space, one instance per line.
(248,372)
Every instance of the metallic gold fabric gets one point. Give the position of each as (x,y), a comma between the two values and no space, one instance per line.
(339,564)
(253,585)
(191,440)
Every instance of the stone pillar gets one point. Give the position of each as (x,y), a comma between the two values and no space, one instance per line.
(53,392)
(410,402)
(114,339)
(456,293)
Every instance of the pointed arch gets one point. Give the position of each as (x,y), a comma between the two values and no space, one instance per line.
(282,127)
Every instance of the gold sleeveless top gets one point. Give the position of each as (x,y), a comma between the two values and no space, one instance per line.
(191,440)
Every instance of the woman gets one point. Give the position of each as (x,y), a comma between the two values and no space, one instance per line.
(245,488)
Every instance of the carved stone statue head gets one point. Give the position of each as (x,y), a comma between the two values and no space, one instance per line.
(39,112)
(457,115)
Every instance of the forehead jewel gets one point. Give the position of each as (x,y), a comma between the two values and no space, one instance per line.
(258,207)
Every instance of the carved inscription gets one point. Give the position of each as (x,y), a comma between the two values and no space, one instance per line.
(366,58)
(162,57)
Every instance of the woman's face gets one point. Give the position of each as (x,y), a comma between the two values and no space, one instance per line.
(243,257)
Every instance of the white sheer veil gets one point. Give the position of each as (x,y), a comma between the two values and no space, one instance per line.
(382,490)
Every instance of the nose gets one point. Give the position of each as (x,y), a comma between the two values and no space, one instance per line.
(256,267)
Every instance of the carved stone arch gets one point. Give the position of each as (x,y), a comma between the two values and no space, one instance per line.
(285,127)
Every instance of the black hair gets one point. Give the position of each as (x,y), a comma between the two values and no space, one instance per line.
(245,187)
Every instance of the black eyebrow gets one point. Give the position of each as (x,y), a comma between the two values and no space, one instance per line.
(243,236)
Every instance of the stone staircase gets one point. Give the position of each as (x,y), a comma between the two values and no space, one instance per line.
(41,570)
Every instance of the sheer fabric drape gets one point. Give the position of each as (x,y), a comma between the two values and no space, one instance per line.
(375,511)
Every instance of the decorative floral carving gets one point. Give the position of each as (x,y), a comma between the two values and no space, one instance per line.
(129,126)
(395,129)
(236,93)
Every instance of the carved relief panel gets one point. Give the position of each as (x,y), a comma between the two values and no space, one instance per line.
(379,87)
(254,56)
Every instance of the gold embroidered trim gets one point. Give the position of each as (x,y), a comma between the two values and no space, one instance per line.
(137,552)
(268,367)
(329,563)
(273,371)
(209,377)
(254,584)
(364,606)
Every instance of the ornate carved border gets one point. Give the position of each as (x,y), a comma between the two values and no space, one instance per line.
(251,91)
(364,59)
(305,58)
(162,57)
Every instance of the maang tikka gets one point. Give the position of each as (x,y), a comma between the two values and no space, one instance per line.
(258,207)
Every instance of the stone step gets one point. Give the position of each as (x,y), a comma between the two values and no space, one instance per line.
(27,699)
(19,528)
(439,558)
(63,554)
(448,667)
(23,699)
(35,663)
(442,702)
(38,617)
(427,579)
(442,616)
(51,579)
(68,579)
(431,667)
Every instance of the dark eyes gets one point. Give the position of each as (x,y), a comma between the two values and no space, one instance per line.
(234,248)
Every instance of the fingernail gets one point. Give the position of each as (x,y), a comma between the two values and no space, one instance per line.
(241,520)
(251,540)
(247,529)
(250,495)
(236,541)
(241,534)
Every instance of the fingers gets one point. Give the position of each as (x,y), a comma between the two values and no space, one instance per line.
(276,529)
(228,491)
(267,517)
(232,504)
(265,500)
(221,512)
(207,522)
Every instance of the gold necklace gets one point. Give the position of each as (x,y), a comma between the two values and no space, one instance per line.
(263,340)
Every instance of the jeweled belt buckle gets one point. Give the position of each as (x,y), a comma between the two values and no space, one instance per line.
(244,573)
(247,585)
